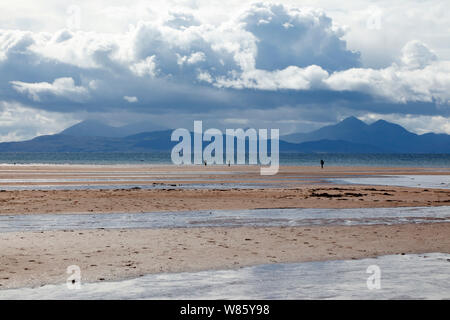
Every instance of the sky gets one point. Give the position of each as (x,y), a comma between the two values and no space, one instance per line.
(292,65)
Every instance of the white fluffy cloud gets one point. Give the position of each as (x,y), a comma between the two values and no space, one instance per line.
(131,99)
(414,123)
(192,59)
(145,67)
(421,78)
(417,55)
(64,87)
(292,77)
(19,122)
(291,36)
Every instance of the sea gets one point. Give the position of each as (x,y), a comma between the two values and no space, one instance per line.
(287,159)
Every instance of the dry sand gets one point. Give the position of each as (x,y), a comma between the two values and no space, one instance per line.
(102,201)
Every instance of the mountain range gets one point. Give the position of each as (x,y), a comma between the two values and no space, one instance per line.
(95,128)
(380,135)
(348,136)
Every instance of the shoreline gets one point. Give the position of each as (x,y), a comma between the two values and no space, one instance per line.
(212,167)
(168,163)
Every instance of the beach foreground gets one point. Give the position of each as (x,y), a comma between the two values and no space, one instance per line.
(38,258)
(35,258)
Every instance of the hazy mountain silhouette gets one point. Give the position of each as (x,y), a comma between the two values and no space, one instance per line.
(67,143)
(92,128)
(95,128)
(348,136)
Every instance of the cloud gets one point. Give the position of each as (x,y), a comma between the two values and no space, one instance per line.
(257,58)
(130,99)
(14,42)
(20,122)
(290,78)
(64,87)
(235,121)
(421,79)
(289,36)
(417,55)
(181,20)
(192,59)
(145,67)
(204,76)
(414,123)
(309,52)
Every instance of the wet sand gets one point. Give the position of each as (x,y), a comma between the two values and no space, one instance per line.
(135,201)
(292,187)
(37,258)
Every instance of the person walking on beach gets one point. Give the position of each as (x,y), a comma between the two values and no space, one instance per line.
(322,163)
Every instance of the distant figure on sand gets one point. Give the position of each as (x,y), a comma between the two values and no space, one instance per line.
(322,163)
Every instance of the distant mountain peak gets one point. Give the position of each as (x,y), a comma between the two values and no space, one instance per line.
(86,123)
(90,121)
(382,122)
(97,128)
(352,120)
(386,125)
(89,127)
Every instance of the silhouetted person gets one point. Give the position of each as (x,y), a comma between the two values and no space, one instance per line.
(322,163)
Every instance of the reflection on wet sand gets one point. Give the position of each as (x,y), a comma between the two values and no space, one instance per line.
(412,276)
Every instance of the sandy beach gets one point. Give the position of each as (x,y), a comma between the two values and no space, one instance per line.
(103,201)
(293,187)
(37,258)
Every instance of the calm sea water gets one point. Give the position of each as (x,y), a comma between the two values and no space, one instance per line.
(331,159)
